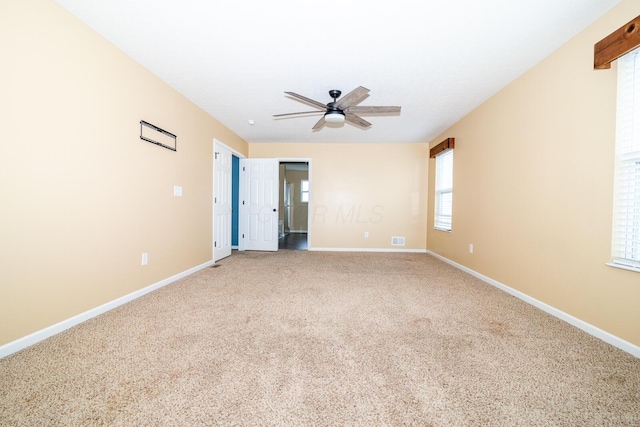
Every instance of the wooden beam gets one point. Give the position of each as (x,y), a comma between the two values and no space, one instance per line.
(444,145)
(616,44)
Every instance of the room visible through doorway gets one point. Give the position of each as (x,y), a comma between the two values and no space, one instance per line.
(293,221)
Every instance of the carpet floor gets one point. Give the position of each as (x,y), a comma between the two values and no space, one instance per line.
(298,338)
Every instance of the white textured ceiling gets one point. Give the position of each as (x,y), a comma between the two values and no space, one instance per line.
(436,59)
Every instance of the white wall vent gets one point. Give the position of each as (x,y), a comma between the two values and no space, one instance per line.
(397,241)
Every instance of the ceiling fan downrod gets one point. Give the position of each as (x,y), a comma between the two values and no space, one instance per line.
(335,94)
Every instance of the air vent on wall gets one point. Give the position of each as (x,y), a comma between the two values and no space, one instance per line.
(397,241)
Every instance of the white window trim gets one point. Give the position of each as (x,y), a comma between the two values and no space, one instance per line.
(442,189)
(625,245)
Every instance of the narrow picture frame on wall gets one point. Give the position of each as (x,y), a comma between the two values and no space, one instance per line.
(155,135)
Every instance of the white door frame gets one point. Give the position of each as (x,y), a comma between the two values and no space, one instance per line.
(236,153)
(310,203)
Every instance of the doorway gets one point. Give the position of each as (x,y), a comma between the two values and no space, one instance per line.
(235,231)
(293,221)
(225,199)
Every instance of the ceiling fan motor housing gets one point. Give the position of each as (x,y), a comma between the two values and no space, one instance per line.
(334,114)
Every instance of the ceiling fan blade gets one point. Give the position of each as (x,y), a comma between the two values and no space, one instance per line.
(356,120)
(352,97)
(319,125)
(308,100)
(372,109)
(295,114)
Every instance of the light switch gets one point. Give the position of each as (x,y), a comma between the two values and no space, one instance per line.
(177,191)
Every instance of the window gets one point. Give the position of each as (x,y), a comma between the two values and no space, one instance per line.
(444,190)
(304,191)
(626,209)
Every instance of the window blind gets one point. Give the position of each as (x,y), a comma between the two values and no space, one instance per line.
(626,209)
(444,190)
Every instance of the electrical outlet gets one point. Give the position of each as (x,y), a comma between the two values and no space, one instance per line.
(470,248)
(145,258)
(366,234)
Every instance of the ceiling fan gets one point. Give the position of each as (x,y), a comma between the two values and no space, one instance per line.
(343,109)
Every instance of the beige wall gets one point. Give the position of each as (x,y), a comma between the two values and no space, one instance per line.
(533,177)
(82,195)
(379,188)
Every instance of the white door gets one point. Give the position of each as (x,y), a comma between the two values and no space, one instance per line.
(259,204)
(221,202)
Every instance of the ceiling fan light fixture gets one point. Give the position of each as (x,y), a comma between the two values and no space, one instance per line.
(334,117)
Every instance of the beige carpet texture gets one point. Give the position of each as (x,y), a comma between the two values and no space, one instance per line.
(298,338)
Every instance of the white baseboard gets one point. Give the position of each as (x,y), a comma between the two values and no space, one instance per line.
(421,251)
(49,331)
(580,324)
